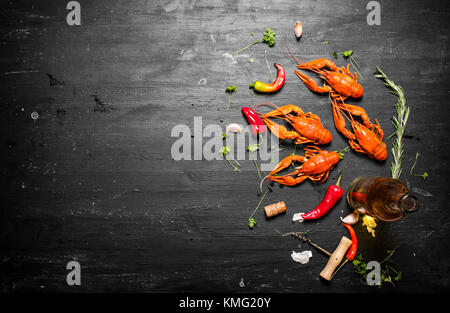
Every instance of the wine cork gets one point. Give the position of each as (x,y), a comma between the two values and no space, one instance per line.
(274,209)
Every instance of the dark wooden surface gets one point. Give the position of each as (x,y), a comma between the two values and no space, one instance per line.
(93,180)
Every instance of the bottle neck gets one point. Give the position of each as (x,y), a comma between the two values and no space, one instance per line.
(408,203)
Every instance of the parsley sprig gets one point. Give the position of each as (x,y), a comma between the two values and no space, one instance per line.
(251,220)
(225,150)
(252,148)
(388,273)
(230,90)
(424,175)
(348,54)
(268,38)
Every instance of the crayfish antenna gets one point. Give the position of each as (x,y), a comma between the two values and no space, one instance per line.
(273,105)
(262,181)
(267,103)
(291,55)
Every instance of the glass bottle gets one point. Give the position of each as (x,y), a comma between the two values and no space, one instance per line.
(385,199)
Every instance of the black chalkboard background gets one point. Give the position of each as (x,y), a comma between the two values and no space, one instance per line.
(91,178)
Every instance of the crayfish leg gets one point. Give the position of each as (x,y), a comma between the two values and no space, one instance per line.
(313,116)
(355,146)
(346,70)
(281,132)
(301,179)
(377,129)
(324,177)
(311,150)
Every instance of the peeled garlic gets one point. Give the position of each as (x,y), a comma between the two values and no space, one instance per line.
(297,217)
(301,257)
(351,219)
(234,128)
(362,210)
(298,28)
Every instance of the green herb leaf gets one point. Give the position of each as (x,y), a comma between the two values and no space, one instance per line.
(224,136)
(253,147)
(325,42)
(225,150)
(269,37)
(251,222)
(231,89)
(347,53)
(335,54)
(342,152)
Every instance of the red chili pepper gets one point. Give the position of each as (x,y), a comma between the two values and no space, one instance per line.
(255,121)
(275,86)
(352,251)
(334,193)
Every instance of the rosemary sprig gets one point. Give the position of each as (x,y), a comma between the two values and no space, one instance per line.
(398,121)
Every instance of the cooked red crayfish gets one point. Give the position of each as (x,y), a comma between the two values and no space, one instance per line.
(367,137)
(307,126)
(316,166)
(341,84)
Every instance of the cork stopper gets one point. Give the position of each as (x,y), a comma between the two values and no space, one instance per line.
(275,209)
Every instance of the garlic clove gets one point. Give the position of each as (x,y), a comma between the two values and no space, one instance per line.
(351,219)
(301,257)
(297,217)
(362,210)
(298,28)
(234,128)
